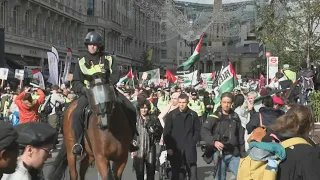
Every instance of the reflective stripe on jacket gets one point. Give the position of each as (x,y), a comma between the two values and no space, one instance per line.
(93,69)
(197,106)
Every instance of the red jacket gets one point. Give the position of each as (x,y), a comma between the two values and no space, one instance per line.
(26,113)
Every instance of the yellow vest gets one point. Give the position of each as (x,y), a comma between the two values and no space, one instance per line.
(290,75)
(199,109)
(93,69)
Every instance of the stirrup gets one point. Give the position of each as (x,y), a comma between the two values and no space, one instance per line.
(80,146)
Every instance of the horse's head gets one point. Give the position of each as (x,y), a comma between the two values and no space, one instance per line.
(102,97)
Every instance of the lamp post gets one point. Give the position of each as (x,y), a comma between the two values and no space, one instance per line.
(209,58)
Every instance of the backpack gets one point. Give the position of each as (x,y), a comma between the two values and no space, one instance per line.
(250,169)
(46,107)
(307,80)
(317,78)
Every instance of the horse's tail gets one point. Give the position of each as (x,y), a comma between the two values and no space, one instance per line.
(60,164)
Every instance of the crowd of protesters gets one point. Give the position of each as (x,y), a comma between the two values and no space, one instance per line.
(187,116)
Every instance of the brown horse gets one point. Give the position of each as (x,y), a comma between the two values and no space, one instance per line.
(103,146)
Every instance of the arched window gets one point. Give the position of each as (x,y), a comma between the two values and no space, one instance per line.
(37,26)
(4,14)
(47,29)
(15,19)
(28,22)
(63,37)
(68,38)
(54,31)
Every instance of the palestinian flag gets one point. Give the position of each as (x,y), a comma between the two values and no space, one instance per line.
(227,80)
(172,78)
(126,79)
(193,59)
(37,79)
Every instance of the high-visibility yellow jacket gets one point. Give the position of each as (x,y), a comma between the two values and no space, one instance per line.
(197,106)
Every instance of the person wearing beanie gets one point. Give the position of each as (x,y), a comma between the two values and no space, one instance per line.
(37,140)
(8,148)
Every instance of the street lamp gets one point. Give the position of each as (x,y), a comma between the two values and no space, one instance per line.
(209,58)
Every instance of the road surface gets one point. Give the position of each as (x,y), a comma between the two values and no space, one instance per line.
(204,170)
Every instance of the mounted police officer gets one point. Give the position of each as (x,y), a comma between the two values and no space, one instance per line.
(95,60)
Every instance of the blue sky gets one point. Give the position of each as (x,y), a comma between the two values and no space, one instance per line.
(211,1)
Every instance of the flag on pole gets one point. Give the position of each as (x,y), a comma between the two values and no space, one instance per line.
(126,78)
(227,80)
(172,78)
(193,59)
(37,79)
(149,54)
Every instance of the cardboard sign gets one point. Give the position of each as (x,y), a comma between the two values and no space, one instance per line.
(19,74)
(4,73)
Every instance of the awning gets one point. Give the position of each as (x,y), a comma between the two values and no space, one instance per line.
(17,62)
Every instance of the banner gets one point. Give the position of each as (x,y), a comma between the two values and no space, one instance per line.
(53,69)
(19,74)
(67,65)
(189,79)
(152,76)
(28,70)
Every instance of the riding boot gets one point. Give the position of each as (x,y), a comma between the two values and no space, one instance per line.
(77,148)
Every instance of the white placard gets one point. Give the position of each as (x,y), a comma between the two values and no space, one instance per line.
(19,74)
(4,73)
(273,63)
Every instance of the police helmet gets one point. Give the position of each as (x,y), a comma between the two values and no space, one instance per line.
(93,37)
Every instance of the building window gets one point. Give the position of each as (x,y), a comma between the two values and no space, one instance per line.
(54,32)
(185,54)
(3,14)
(74,5)
(46,29)
(180,53)
(37,26)
(90,10)
(180,44)
(15,24)
(163,54)
(28,22)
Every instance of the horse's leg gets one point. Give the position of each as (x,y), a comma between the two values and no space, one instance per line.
(103,166)
(118,168)
(84,165)
(72,166)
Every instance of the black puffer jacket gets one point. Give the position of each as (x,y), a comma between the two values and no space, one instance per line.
(226,129)
(269,115)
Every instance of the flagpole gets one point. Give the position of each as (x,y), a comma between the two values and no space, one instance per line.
(132,78)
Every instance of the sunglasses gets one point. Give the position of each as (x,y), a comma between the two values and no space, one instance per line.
(49,151)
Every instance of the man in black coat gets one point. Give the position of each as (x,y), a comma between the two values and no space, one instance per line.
(223,132)
(181,134)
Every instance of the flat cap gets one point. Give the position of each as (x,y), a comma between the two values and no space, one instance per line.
(35,134)
(7,135)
